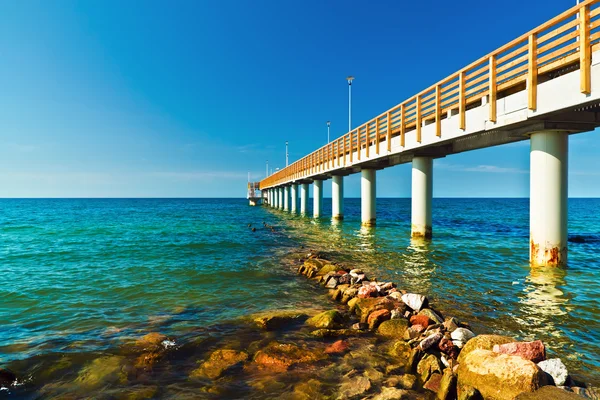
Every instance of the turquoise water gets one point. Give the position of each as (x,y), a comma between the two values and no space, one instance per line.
(83,276)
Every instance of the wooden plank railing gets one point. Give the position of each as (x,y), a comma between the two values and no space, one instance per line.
(568,39)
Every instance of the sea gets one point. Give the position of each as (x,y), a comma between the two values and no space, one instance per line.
(83,278)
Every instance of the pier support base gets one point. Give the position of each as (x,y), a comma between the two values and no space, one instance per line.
(317,199)
(337,197)
(422,194)
(548,198)
(286,198)
(303,198)
(294,199)
(367,197)
(280,199)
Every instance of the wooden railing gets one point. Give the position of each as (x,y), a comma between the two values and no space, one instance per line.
(568,39)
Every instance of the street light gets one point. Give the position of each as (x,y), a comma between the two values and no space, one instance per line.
(350,79)
(286,154)
(267,167)
(328,125)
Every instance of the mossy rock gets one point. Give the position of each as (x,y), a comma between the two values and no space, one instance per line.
(483,342)
(327,269)
(218,363)
(400,349)
(280,319)
(393,328)
(102,371)
(331,319)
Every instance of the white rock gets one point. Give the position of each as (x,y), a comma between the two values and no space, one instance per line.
(414,301)
(458,343)
(396,314)
(462,334)
(555,368)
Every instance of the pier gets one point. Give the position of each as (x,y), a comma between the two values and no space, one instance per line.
(543,87)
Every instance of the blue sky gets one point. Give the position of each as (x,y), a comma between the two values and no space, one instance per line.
(184,98)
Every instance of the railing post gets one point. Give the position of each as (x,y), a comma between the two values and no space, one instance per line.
(418,117)
(438,111)
(532,73)
(462,101)
(377,135)
(402,120)
(358,143)
(585,58)
(367,139)
(492,88)
(388,139)
(351,145)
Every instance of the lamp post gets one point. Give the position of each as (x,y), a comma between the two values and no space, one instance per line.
(350,79)
(267,167)
(286,154)
(328,125)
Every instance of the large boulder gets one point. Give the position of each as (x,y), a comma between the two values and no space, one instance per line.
(279,357)
(484,342)
(219,362)
(331,319)
(393,328)
(499,376)
(279,319)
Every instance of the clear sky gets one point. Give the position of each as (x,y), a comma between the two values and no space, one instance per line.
(184,98)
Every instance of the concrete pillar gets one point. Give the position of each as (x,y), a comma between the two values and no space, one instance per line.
(280,201)
(269,198)
(317,199)
(286,198)
(275,197)
(294,199)
(548,198)
(367,197)
(303,198)
(422,194)
(337,197)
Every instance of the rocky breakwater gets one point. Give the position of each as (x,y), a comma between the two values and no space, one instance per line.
(436,354)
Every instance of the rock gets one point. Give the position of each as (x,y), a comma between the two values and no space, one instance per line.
(218,363)
(279,319)
(556,369)
(102,371)
(354,387)
(373,375)
(333,333)
(391,393)
(7,377)
(485,342)
(309,390)
(429,365)
(400,349)
(377,317)
(533,351)
(327,269)
(413,361)
(367,291)
(363,307)
(397,313)
(355,272)
(547,393)
(447,390)
(413,332)
(433,383)
(446,346)
(314,263)
(432,316)
(278,357)
(331,319)
(393,328)
(337,347)
(332,282)
(462,334)
(153,339)
(395,369)
(499,376)
(430,341)
(588,393)
(137,393)
(451,324)
(468,393)
(395,296)
(414,301)
(349,294)
(345,279)
(421,320)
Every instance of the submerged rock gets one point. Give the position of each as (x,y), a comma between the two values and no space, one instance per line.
(353,387)
(499,376)
(392,393)
(331,319)
(310,390)
(533,351)
(484,342)
(279,357)
(401,350)
(337,347)
(102,371)
(406,381)
(547,393)
(218,363)
(7,377)
(279,319)
(393,328)
(556,369)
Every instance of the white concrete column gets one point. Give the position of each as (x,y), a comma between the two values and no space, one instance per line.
(275,197)
(337,197)
(303,198)
(368,191)
(294,199)
(286,198)
(280,201)
(269,198)
(422,194)
(317,199)
(548,198)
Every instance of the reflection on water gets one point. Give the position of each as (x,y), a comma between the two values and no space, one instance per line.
(418,270)
(366,237)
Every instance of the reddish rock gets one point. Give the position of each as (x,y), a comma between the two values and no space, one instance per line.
(337,347)
(532,351)
(377,317)
(341,272)
(446,346)
(367,291)
(278,357)
(420,319)
(433,383)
